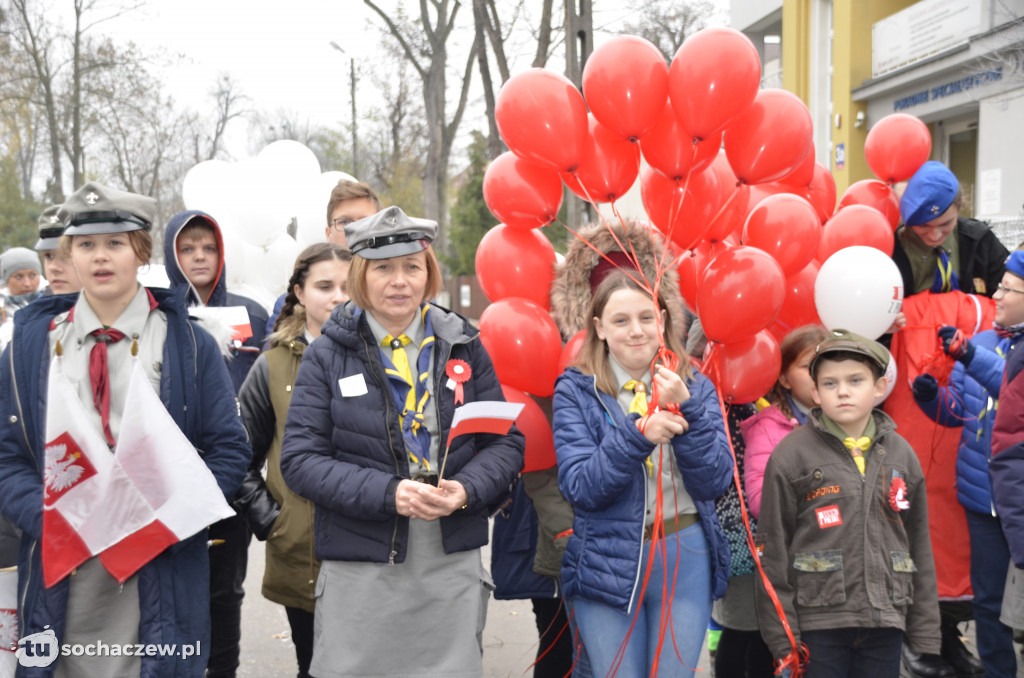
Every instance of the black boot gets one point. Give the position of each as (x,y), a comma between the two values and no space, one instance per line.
(960,658)
(926,665)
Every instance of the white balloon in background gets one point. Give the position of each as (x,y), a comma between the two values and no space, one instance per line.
(279,263)
(209,187)
(312,217)
(859,289)
(890,376)
(257,210)
(289,168)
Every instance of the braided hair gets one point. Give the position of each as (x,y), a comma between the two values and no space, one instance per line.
(291,322)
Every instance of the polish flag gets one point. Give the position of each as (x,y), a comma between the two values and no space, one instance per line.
(89,502)
(484,416)
(8,622)
(167,470)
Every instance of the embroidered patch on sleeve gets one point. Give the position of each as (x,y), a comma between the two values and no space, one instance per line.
(828,516)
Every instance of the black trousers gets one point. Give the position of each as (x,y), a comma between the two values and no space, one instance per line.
(556,661)
(228,562)
(301,623)
(743,654)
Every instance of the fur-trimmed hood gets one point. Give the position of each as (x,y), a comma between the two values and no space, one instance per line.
(570,291)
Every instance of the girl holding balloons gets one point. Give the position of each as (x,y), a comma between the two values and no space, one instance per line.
(647,554)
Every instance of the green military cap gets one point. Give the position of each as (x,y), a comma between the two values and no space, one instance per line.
(389,233)
(95,209)
(50,229)
(845,340)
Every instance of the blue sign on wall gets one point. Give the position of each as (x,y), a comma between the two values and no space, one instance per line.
(840,156)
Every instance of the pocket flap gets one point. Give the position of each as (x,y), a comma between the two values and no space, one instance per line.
(830,560)
(902,562)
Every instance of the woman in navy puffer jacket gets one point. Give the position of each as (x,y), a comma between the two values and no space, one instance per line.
(614,475)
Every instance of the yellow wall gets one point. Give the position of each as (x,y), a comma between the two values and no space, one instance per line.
(851,66)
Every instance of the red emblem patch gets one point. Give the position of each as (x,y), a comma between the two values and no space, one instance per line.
(828,516)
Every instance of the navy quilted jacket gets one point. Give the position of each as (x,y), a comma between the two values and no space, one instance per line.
(195,388)
(347,454)
(601,472)
(969,401)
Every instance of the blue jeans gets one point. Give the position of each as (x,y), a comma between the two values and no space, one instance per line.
(581,663)
(853,652)
(604,628)
(990,558)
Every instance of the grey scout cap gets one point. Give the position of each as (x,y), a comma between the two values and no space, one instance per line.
(50,229)
(389,233)
(94,209)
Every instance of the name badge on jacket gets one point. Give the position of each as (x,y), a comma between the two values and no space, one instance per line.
(352,386)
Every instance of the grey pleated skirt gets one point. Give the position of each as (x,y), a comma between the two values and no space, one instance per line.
(423,617)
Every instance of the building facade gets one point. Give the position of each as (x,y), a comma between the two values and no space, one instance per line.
(956,64)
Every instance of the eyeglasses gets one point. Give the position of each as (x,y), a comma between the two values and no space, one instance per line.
(340,223)
(1004,289)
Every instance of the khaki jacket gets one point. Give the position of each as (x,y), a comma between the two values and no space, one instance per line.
(836,551)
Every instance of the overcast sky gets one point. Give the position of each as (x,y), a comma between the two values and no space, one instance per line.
(280,53)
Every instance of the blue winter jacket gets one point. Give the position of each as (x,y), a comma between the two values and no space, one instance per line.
(969,401)
(600,455)
(196,390)
(242,357)
(347,454)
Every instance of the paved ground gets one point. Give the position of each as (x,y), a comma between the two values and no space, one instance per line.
(510,637)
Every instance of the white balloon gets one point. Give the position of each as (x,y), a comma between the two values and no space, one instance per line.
(279,263)
(290,158)
(890,377)
(859,289)
(257,213)
(208,186)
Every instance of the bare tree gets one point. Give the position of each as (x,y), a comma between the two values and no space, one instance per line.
(667,23)
(425,46)
(207,136)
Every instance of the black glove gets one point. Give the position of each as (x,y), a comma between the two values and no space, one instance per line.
(955,344)
(926,388)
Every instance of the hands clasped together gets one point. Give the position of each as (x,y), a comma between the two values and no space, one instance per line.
(661,426)
(420,500)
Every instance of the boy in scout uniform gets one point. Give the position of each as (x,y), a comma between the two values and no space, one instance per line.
(843,533)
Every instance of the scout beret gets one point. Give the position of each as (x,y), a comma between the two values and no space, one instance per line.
(928,194)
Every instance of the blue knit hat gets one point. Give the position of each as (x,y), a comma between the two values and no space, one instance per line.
(928,194)
(1015,263)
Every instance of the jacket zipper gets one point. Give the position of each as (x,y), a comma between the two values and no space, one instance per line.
(391,443)
(640,553)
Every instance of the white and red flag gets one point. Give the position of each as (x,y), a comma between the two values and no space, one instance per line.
(89,503)
(484,416)
(8,622)
(168,472)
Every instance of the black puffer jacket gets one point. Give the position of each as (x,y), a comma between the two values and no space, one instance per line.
(347,454)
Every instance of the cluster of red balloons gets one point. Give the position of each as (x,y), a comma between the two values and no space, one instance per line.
(730,179)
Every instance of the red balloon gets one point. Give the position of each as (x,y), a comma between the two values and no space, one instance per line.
(769,139)
(625,83)
(542,118)
(804,173)
(534,425)
(512,262)
(748,368)
(608,168)
(668,148)
(822,192)
(897,146)
(874,194)
(740,294)
(523,343)
(714,76)
(522,195)
(691,266)
(571,350)
(681,210)
(785,226)
(798,309)
(855,225)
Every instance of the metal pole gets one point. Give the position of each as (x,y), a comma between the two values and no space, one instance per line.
(355,133)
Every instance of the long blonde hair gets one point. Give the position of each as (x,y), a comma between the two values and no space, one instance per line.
(593,356)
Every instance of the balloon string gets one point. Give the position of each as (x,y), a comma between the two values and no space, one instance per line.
(798,655)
